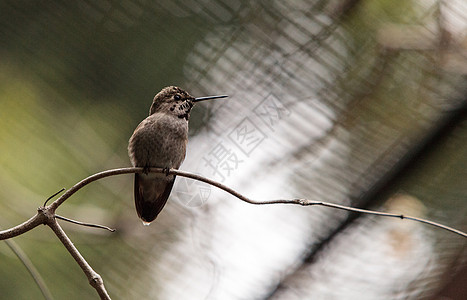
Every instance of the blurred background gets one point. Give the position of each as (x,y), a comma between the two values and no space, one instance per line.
(356,102)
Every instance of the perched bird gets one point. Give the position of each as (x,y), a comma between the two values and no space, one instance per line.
(160,141)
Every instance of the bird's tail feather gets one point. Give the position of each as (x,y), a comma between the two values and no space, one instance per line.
(151,195)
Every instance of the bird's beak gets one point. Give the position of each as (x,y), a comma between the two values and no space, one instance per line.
(209,98)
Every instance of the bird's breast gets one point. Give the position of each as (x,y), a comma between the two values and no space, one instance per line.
(159,141)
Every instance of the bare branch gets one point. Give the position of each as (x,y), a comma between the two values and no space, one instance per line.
(46,215)
(306,202)
(33,222)
(90,179)
(94,279)
(303,202)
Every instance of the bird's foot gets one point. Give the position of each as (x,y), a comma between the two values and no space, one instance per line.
(166,171)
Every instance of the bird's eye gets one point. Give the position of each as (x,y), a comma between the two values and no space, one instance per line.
(177,97)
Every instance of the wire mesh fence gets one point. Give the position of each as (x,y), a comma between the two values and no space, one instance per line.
(359,103)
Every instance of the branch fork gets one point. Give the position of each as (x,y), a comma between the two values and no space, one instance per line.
(46,215)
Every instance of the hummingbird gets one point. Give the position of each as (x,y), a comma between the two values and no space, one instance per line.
(160,141)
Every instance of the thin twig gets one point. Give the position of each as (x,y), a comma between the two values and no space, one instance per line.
(84,224)
(31,268)
(306,202)
(61,190)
